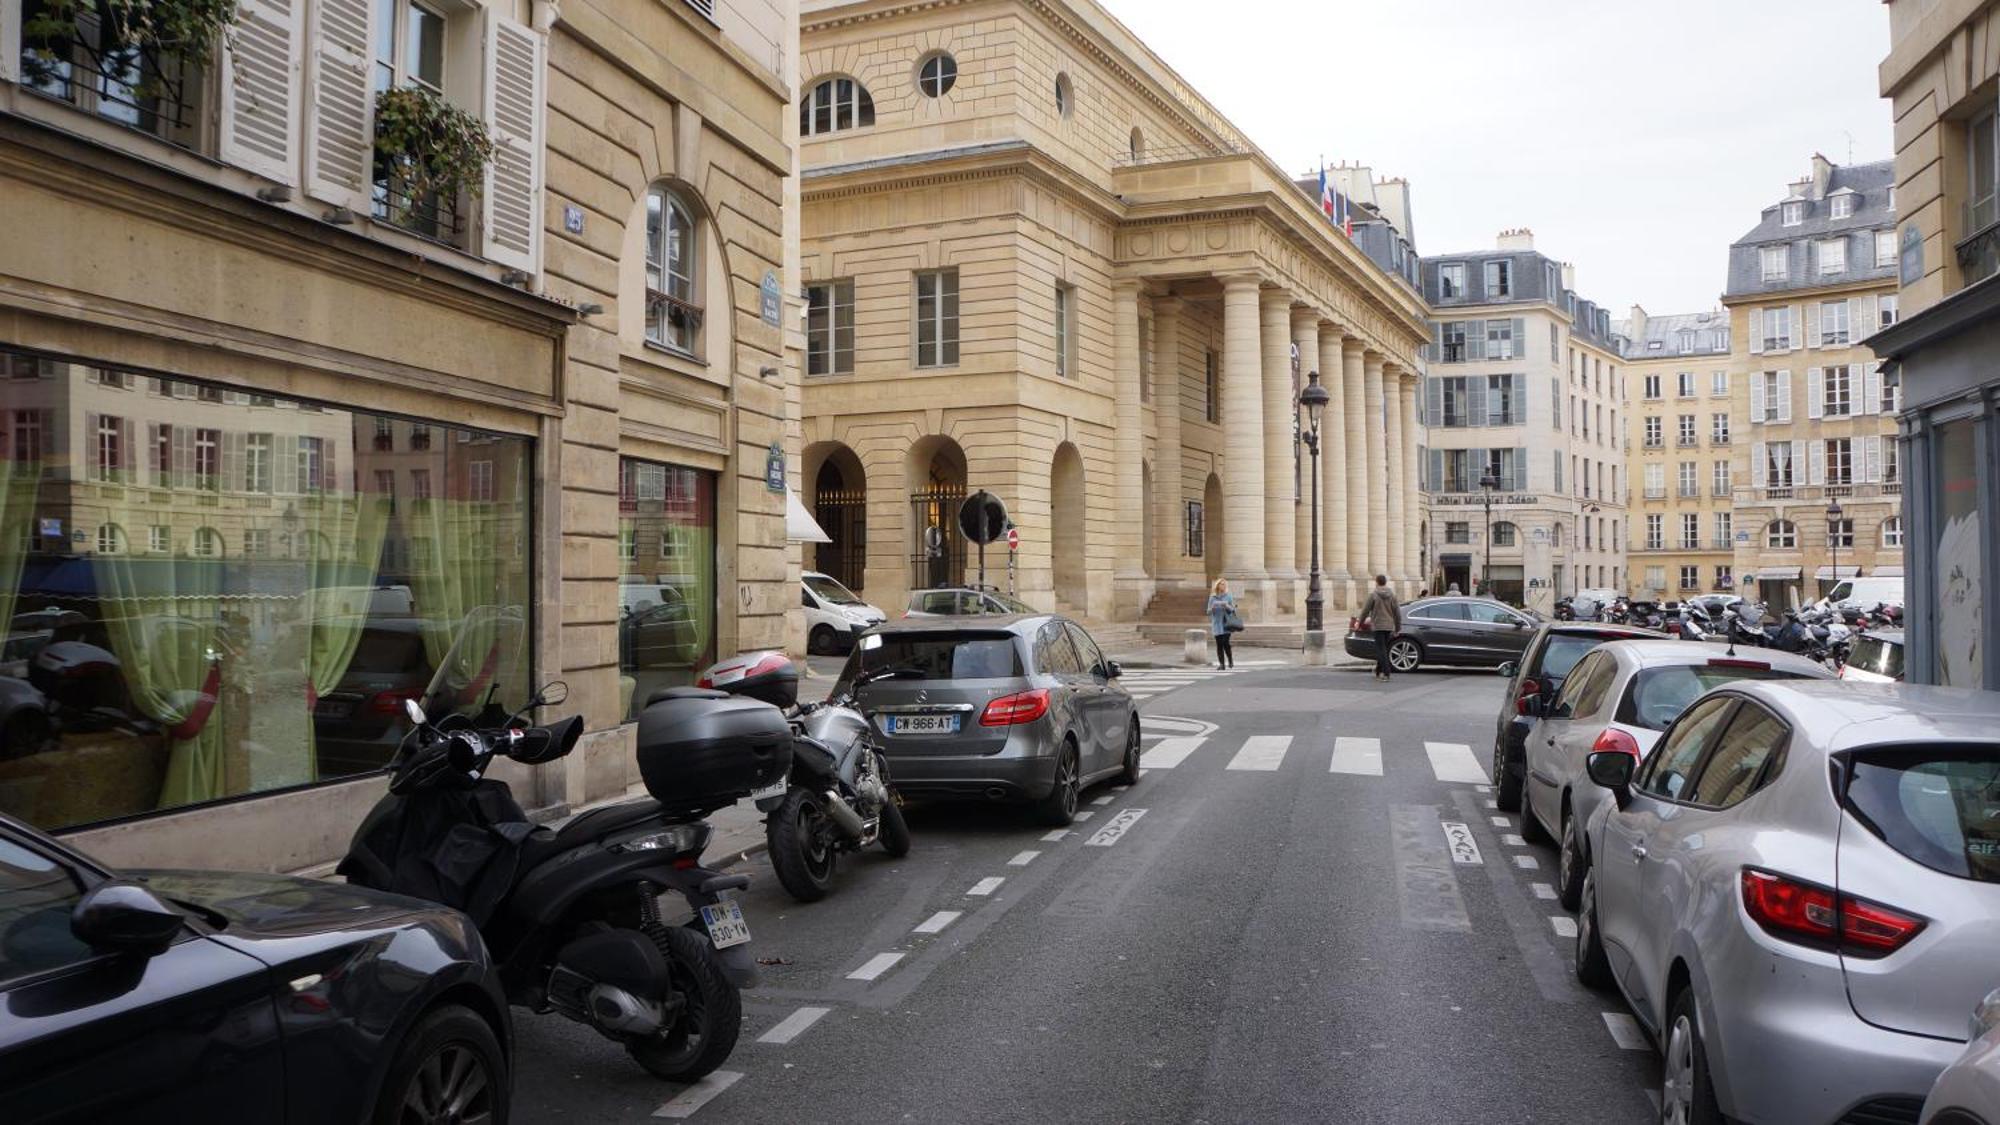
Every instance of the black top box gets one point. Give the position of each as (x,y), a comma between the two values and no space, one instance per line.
(704,750)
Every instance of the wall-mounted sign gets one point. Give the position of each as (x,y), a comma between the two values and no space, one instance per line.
(572,218)
(51,528)
(1477,500)
(774,467)
(1910,258)
(774,299)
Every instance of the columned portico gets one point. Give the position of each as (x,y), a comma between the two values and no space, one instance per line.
(1280,528)
(1333,468)
(1129,582)
(1305,337)
(1243,428)
(1374,468)
(1354,369)
(1392,433)
(1169,544)
(1413,569)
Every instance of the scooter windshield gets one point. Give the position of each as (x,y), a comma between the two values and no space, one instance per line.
(486,663)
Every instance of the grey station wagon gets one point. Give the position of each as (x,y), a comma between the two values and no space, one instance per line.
(1015,708)
(1462,631)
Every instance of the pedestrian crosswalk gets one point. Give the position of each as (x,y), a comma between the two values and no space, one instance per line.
(1451,762)
(1144,683)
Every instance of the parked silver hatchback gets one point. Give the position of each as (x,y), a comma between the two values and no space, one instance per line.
(1798,892)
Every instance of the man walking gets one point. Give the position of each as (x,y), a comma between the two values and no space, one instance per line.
(1382,616)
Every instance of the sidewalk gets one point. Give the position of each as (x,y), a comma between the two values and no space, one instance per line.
(1173,656)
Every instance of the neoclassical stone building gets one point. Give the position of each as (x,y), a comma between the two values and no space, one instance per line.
(1040,264)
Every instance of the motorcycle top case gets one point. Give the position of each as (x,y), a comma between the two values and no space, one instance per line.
(704,750)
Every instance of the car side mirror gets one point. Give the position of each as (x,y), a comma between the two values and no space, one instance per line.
(1509,669)
(1112,670)
(1612,769)
(556,692)
(125,917)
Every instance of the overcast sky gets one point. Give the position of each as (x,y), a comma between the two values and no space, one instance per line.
(1636,139)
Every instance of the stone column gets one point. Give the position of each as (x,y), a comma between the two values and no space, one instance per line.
(1376,468)
(1412,487)
(1169,516)
(1392,431)
(1128,437)
(1356,475)
(1333,472)
(1279,524)
(1305,337)
(1243,438)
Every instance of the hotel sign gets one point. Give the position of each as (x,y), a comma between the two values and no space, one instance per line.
(1478,499)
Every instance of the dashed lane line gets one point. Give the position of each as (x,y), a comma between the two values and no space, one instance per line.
(1022,859)
(1563,924)
(1357,756)
(1542,890)
(793,1026)
(1100,802)
(875,966)
(1513,840)
(936,923)
(1625,1032)
(1527,862)
(684,1104)
(985,886)
(1056,835)
(1083,815)
(1501,822)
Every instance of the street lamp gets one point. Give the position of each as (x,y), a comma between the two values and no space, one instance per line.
(1314,398)
(1488,482)
(1833,514)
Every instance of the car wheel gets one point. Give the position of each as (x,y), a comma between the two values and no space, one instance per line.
(1506,781)
(1571,864)
(1593,968)
(449,1071)
(1058,809)
(705,1031)
(1531,829)
(802,846)
(1687,1094)
(1405,654)
(822,642)
(1130,774)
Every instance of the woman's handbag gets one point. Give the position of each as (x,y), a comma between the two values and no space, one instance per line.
(1232,621)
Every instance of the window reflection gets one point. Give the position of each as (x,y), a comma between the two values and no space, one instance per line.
(666,587)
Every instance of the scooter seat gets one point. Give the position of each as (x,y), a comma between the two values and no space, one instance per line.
(595,824)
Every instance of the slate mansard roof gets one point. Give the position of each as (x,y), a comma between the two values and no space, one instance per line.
(1871,187)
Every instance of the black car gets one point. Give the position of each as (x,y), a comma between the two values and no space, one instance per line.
(1536,679)
(229,996)
(1479,632)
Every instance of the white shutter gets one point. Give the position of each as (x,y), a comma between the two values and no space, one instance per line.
(1871,389)
(260,89)
(1755,319)
(1816,470)
(1815,393)
(340,122)
(10,40)
(1861,313)
(1871,448)
(1785,396)
(1812,325)
(286,478)
(512,211)
(183,464)
(1757,464)
(1756,398)
(232,462)
(1798,324)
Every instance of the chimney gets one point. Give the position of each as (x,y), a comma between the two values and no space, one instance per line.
(1569,276)
(1822,173)
(1519,238)
(1637,329)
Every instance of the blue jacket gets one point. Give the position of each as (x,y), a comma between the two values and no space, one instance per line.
(1219,606)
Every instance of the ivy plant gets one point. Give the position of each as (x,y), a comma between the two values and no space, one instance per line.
(431,148)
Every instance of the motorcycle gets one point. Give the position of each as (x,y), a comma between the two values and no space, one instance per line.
(837,796)
(579,918)
(1695,623)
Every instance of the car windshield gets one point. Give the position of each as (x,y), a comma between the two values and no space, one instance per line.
(1564,650)
(830,591)
(936,656)
(1879,655)
(1657,696)
(1934,805)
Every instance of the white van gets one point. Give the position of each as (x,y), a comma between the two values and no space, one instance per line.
(834,616)
(1866,592)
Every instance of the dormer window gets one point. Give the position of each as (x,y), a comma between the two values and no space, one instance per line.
(1843,205)
(1793,213)
(1451,281)
(836,104)
(1686,340)
(1499,278)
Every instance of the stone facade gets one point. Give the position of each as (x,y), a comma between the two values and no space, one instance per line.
(1122,278)
(1681,464)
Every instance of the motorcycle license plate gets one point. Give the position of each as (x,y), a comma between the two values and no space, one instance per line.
(725,923)
(776,789)
(923,724)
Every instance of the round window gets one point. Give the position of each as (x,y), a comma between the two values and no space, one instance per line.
(937,75)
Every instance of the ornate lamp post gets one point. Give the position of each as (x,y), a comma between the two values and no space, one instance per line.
(1488,483)
(1833,514)
(1314,398)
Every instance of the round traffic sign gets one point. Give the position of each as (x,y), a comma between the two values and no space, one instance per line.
(982,517)
(1013,539)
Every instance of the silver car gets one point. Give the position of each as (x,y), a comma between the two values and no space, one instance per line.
(1968,1092)
(1017,708)
(963,601)
(1798,892)
(1620,697)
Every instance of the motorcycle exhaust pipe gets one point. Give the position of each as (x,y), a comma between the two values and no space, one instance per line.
(844,815)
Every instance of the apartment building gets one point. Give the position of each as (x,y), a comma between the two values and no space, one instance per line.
(1818,493)
(1040,263)
(1681,462)
(1523,406)
(304,411)
(1947,176)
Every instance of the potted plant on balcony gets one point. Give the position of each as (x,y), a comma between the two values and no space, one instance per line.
(428,154)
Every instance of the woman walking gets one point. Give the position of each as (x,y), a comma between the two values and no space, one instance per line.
(1221,604)
(1383,617)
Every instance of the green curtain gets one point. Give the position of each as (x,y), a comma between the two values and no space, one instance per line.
(161,616)
(344,546)
(18,483)
(692,572)
(457,576)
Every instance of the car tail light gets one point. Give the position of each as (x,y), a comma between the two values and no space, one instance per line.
(1529,690)
(1788,908)
(1009,710)
(1617,741)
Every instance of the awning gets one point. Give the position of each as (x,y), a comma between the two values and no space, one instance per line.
(1826,572)
(800,527)
(1888,572)
(1780,574)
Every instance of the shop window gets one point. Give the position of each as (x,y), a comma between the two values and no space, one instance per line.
(667,595)
(263,630)
(673,294)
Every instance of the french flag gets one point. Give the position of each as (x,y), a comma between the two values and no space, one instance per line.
(1326,202)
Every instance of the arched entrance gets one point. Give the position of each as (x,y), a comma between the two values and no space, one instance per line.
(937,488)
(1211,527)
(839,503)
(1066,524)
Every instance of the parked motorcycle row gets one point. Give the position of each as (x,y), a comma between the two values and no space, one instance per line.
(1824,633)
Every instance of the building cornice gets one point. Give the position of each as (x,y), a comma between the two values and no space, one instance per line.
(1779,296)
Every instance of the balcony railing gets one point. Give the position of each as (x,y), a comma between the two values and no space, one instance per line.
(1656,493)
(1979,253)
(1690,492)
(1722,543)
(430,215)
(147,90)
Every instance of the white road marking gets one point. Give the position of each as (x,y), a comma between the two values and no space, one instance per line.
(1527,862)
(1117,827)
(1100,802)
(1120,788)
(1542,890)
(1482,789)
(875,966)
(1052,837)
(1173,724)
(1459,842)
(1625,1032)
(700,1094)
(1512,840)
(1261,752)
(1084,814)
(1501,822)
(936,923)
(1357,755)
(986,886)
(793,1026)
(1492,804)
(1022,859)
(1170,752)
(1453,761)
(1565,926)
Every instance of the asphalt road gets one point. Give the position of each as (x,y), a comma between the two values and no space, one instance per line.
(1269,927)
